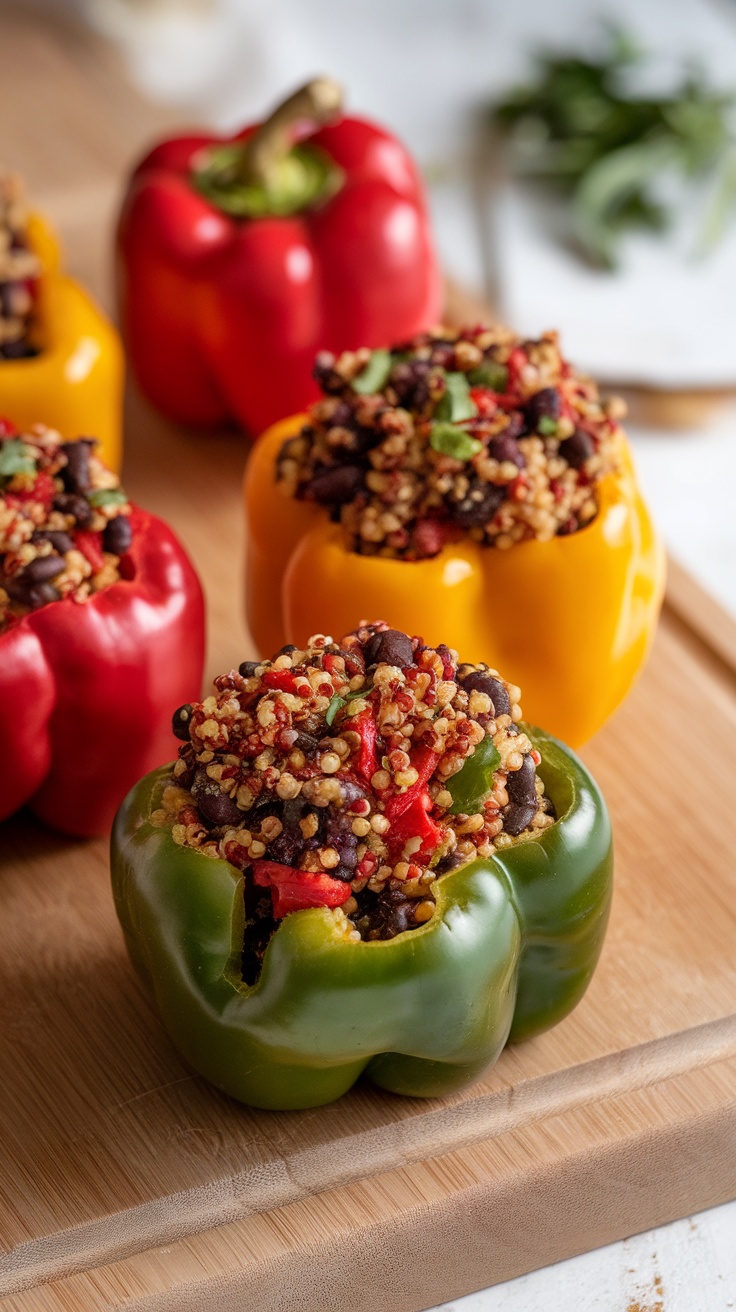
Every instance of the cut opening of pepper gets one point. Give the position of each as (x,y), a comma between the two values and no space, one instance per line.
(352,775)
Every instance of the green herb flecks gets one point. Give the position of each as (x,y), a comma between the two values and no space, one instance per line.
(107,496)
(455,442)
(15,458)
(374,377)
(472,784)
(490,374)
(337,702)
(456,404)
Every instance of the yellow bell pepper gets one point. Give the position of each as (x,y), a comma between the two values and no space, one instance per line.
(75,383)
(570,620)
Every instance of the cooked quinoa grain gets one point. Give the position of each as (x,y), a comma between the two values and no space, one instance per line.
(19,270)
(458,432)
(337,762)
(65,522)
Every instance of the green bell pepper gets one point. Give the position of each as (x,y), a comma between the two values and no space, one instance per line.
(508,953)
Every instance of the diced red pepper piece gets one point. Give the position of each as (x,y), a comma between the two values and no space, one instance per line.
(517,361)
(423,760)
(367,761)
(296,890)
(408,812)
(7,428)
(42,489)
(284,680)
(90,545)
(486,401)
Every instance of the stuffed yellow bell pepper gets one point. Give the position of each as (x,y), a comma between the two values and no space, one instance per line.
(472,488)
(60,358)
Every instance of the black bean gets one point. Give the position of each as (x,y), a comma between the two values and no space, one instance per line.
(578,448)
(214,806)
(391,647)
(180,722)
(505,447)
(521,784)
(449,862)
(542,405)
(44,568)
(409,381)
(325,374)
(79,507)
(306,742)
(339,834)
(517,817)
(336,484)
(287,649)
(75,475)
(118,535)
(479,504)
(248,668)
(343,416)
(34,596)
(18,350)
(482,681)
(61,542)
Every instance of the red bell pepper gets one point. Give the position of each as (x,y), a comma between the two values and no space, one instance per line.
(86,688)
(295,890)
(241,258)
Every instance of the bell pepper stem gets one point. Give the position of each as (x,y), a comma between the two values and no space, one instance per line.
(317,103)
(270,173)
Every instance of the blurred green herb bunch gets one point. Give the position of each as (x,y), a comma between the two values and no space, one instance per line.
(577,127)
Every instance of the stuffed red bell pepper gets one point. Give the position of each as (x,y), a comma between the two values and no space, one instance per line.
(240,258)
(101,619)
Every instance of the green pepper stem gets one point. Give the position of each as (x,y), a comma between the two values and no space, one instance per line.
(317,103)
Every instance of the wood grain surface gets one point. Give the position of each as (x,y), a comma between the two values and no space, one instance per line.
(125,1181)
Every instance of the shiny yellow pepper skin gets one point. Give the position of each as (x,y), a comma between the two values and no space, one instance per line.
(570,621)
(75,383)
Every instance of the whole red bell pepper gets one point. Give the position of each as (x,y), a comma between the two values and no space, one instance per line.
(241,258)
(86,688)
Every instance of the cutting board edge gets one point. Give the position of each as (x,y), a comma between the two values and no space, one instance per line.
(448,1129)
(632,1178)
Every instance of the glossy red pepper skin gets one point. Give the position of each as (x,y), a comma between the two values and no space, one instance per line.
(222,317)
(86,689)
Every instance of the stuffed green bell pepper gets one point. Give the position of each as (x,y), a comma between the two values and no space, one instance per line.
(363,862)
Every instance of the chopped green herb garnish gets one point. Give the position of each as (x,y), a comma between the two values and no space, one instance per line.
(337,702)
(579,127)
(472,784)
(375,375)
(15,458)
(455,442)
(456,404)
(547,426)
(490,374)
(107,496)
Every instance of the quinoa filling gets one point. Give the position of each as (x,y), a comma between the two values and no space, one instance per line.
(19,270)
(64,521)
(458,432)
(352,775)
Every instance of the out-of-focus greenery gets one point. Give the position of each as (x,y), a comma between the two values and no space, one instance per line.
(576,127)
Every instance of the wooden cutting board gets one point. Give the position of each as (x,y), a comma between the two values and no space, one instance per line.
(126,1182)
